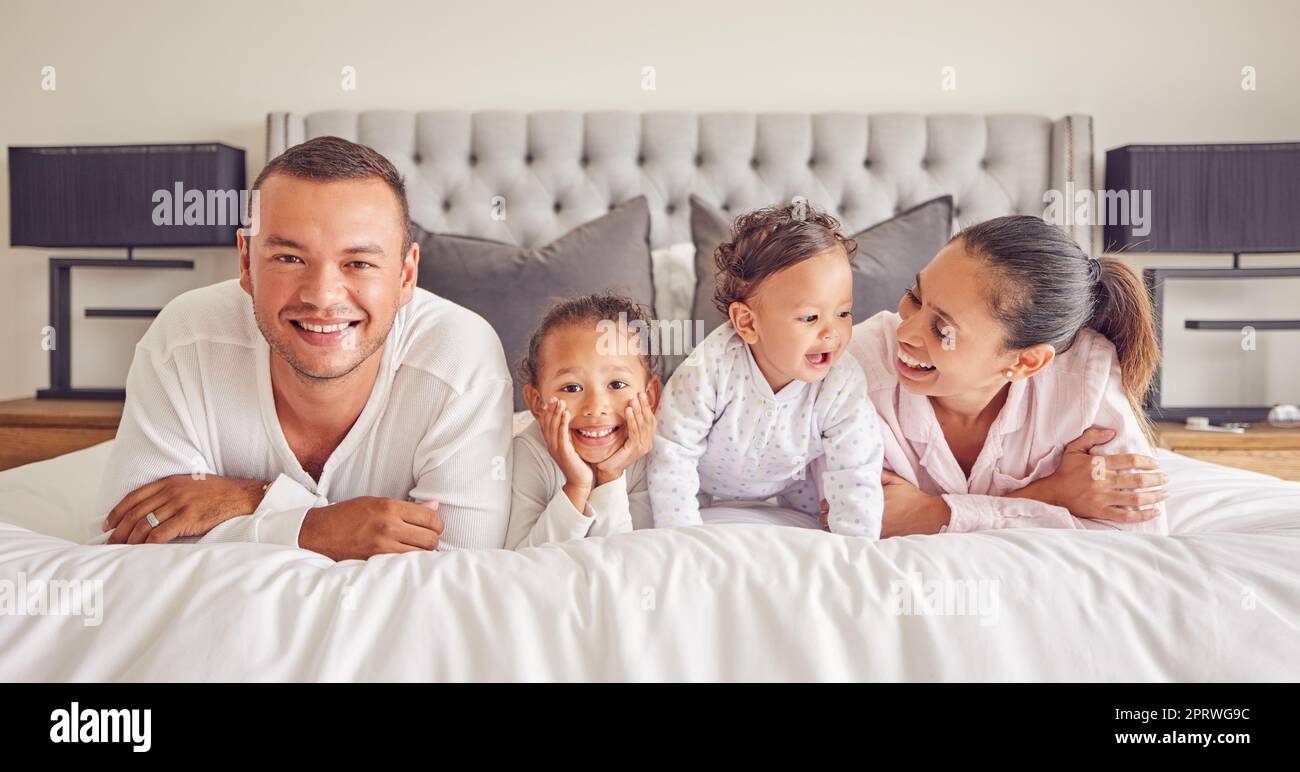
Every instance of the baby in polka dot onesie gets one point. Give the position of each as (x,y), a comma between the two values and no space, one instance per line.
(769,392)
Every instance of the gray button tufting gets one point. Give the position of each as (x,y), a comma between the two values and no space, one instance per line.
(962,147)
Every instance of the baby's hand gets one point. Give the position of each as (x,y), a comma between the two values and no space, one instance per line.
(559,443)
(640,425)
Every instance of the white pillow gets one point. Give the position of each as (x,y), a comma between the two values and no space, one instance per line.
(521,421)
(58,496)
(673,268)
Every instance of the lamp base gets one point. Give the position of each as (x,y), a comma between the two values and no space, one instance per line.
(100,394)
(61,320)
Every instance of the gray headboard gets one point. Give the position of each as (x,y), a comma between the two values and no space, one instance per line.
(556,170)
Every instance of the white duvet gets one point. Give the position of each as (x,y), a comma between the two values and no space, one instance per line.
(1219,599)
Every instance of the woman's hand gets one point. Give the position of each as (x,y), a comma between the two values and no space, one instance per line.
(640,425)
(183,506)
(908,510)
(559,443)
(1102,487)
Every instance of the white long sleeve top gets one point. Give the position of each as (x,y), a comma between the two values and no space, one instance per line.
(436,426)
(722,432)
(541,513)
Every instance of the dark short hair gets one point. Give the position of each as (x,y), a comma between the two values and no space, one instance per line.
(589,309)
(335,158)
(767,240)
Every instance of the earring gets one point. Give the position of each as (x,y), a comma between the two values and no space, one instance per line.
(1009,374)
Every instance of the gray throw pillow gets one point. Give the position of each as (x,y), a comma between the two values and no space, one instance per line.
(512,287)
(890,254)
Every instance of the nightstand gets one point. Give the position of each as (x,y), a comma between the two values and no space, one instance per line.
(36,429)
(1262,448)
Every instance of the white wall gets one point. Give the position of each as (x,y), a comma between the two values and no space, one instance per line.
(144,71)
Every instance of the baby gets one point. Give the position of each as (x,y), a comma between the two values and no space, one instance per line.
(769,392)
(589,381)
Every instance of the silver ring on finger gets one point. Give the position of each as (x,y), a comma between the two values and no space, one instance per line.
(151,520)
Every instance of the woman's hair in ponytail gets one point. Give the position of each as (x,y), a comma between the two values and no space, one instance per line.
(1045,288)
(1124,315)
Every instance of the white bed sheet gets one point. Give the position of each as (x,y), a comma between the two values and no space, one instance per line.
(1218,599)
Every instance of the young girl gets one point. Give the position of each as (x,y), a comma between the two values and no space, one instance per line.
(590,382)
(769,391)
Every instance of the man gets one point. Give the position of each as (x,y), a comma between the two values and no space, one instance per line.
(321,400)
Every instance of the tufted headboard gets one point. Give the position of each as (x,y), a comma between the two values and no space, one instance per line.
(553,171)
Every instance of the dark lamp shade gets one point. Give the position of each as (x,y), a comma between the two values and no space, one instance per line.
(1209,198)
(109,195)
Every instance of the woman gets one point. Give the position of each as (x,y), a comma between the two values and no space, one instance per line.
(1010,387)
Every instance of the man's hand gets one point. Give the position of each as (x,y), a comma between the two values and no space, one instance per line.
(183,506)
(360,528)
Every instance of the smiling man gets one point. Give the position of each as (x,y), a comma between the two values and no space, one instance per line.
(321,400)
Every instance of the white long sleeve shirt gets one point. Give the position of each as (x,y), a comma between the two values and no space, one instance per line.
(541,513)
(721,432)
(436,426)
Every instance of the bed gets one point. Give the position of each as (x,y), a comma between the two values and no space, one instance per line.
(744,597)
(1216,600)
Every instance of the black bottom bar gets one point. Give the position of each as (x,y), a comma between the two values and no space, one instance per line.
(988,722)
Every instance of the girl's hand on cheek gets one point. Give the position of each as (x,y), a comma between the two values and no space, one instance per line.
(559,443)
(639,426)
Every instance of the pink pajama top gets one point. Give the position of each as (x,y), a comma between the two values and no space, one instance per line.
(1079,389)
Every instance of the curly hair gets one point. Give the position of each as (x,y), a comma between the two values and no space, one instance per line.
(589,309)
(768,240)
